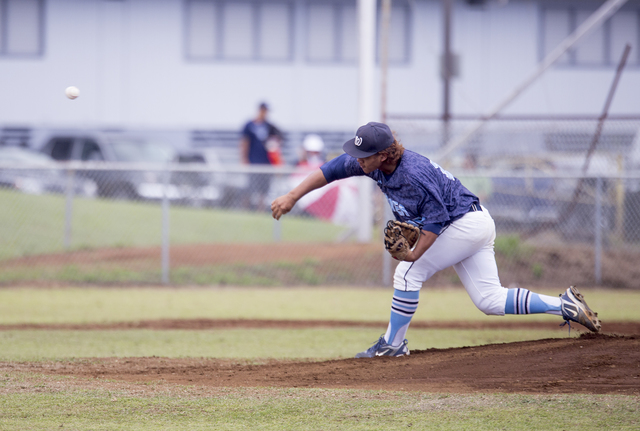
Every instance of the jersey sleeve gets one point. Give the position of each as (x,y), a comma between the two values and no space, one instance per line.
(343,166)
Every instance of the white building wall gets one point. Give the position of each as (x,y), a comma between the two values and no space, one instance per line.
(499,48)
(127,57)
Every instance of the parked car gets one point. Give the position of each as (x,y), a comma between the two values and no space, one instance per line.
(233,185)
(197,188)
(521,201)
(538,199)
(137,183)
(32,172)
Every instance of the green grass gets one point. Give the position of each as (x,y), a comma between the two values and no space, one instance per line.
(317,343)
(35,402)
(39,402)
(31,225)
(310,272)
(102,305)
(93,304)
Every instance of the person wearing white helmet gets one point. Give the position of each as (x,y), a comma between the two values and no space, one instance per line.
(312,157)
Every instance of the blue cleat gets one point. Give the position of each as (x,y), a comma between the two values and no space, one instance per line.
(575,309)
(381,348)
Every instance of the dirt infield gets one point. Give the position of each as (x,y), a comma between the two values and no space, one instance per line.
(593,363)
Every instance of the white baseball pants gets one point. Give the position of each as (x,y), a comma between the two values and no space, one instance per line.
(467,245)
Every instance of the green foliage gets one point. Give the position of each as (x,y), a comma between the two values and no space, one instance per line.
(512,246)
(538,270)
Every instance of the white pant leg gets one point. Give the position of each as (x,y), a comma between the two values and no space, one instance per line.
(467,245)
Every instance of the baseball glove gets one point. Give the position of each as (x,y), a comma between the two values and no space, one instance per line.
(400,238)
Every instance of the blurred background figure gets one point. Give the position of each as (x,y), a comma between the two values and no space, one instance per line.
(312,152)
(260,145)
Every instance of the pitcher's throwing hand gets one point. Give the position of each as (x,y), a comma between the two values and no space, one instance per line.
(282,205)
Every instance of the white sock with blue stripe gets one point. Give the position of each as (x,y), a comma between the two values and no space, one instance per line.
(523,301)
(403,306)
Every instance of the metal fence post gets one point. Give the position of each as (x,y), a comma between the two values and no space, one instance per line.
(68,211)
(598,232)
(165,228)
(277,231)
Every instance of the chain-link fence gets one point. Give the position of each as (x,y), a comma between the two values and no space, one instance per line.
(183,224)
(195,224)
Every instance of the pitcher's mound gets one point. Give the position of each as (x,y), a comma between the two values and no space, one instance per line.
(592,363)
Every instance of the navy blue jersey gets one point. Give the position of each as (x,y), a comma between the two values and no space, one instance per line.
(419,191)
(257,135)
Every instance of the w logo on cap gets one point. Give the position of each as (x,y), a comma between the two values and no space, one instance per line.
(358,141)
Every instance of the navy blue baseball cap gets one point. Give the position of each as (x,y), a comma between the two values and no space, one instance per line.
(370,139)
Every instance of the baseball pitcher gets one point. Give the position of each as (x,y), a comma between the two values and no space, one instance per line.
(439,223)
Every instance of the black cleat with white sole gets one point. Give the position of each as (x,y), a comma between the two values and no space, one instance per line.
(381,348)
(575,309)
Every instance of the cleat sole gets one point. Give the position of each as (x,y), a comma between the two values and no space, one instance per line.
(587,318)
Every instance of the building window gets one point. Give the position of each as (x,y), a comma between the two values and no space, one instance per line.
(332,32)
(602,47)
(21,27)
(239,30)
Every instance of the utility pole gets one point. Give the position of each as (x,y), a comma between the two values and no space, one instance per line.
(446,65)
(384,57)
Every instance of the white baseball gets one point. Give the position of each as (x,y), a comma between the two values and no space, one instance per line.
(72,92)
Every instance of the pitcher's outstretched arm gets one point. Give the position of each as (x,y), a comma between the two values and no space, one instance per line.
(283,204)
